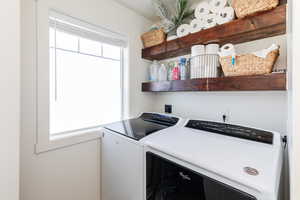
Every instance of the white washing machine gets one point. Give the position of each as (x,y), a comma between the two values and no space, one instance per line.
(122,154)
(212,161)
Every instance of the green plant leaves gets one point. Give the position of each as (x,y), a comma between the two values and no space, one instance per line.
(169,22)
(182,12)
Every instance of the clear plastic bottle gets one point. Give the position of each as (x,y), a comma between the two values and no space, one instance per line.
(153,71)
(183,69)
(170,71)
(188,69)
(162,73)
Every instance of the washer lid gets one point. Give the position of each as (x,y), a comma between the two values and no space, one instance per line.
(142,126)
(252,164)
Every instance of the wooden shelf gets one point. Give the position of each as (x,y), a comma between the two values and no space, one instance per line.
(274,81)
(262,25)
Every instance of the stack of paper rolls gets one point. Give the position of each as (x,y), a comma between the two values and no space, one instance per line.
(208,15)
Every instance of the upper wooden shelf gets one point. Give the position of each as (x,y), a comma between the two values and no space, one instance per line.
(259,26)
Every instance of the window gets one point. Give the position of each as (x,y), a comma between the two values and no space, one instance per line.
(86,77)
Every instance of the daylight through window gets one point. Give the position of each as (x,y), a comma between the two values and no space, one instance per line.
(85,80)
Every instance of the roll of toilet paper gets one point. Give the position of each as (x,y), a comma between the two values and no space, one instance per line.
(212,49)
(183,30)
(172,37)
(196,25)
(217,5)
(225,15)
(210,21)
(227,50)
(221,20)
(198,50)
(202,10)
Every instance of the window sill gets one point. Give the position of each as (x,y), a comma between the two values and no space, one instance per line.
(68,139)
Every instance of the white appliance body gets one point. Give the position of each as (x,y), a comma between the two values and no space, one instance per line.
(121,167)
(221,158)
(122,158)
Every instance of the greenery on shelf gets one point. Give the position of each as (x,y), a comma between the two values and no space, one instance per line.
(170,22)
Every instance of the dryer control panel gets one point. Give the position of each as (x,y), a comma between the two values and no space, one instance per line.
(232,130)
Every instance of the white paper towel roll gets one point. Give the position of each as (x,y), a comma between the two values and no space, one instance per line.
(217,5)
(227,50)
(210,21)
(212,49)
(183,30)
(225,15)
(196,25)
(198,50)
(202,10)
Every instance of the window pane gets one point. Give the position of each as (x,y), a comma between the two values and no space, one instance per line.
(52,37)
(90,47)
(52,74)
(110,51)
(88,92)
(66,41)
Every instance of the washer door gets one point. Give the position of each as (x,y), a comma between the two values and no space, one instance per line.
(167,180)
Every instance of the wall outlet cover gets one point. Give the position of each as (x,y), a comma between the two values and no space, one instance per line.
(168,109)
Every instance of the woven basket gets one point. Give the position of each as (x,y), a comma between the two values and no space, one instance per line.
(249,64)
(244,8)
(153,38)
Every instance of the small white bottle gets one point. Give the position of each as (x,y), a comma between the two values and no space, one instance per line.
(162,73)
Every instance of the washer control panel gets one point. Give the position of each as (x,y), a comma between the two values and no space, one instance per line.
(232,130)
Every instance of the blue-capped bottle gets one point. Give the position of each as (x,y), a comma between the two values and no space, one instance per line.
(183,68)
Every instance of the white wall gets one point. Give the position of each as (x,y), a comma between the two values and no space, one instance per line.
(72,173)
(264,110)
(10,95)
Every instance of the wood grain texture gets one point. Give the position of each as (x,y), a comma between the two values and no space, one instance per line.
(259,26)
(238,83)
(282,2)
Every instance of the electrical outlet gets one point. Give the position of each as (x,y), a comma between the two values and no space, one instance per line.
(168,109)
(225,116)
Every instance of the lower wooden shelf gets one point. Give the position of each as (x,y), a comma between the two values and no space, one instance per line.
(274,81)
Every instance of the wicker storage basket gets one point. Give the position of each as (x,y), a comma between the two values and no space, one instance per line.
(249,64)
(244,8)
(153,38)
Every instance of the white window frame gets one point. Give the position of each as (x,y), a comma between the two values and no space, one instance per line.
(44,141)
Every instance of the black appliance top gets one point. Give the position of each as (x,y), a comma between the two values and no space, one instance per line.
(232,130)
(142,126)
